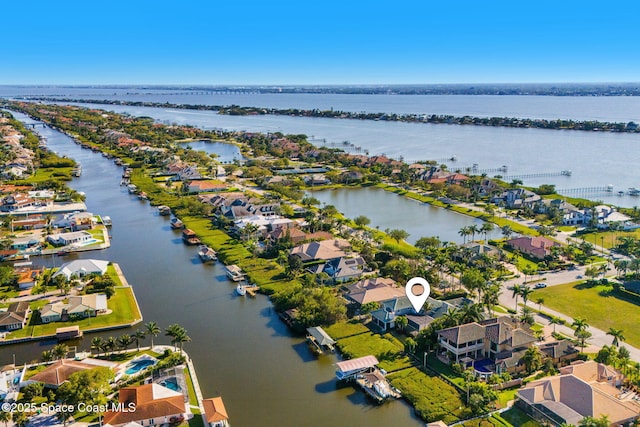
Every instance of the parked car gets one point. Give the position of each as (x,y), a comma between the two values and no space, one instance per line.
(540,285)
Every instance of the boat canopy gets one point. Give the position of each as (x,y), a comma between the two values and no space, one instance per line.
(349,368)
(321,337)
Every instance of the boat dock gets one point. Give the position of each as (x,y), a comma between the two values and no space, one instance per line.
(537,175)
(585,191)
(252,290)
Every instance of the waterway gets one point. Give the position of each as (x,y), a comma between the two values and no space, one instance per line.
(227,153)
(389,210)
(596,159)
(240,347)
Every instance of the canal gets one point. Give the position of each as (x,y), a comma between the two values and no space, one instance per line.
(241,349)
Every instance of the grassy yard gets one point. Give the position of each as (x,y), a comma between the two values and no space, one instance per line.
(386,348)
(432,398)
(517,418)
(124,311)
(597,304)
(609,238)
(346,329)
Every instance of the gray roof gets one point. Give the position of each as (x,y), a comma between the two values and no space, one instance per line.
(320,335)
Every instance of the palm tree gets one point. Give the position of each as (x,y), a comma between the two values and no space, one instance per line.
(451,317)
(525,291)
(474,229)
(532,359)
(152,330)
(97,343)
(580,324)
(60,351)
(555,321)
(110,344)
(181,337)
(137,336)
(617,335)
(464,232)
(539,301)
(5,417)
(506,231)
(485,229)
(401,322)
(124,341)
(516,293)
(172,331)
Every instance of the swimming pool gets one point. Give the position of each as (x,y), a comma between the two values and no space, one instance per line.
(136,366)
(171,383)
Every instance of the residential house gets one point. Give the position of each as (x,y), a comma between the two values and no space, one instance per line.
(27,276)
(72,238)
(376,289)
(517,198)
(17,201)
(601,216)
(57,373)
(472,251)
(215,414)
(322,250)
(31,223)
(535,247)
(153,403)
(432,309)
(341,269)
(502,340)
(560,352)
(78,306)
(316,180)
(203,186)
(15,317)
(263,224)
(582,389)
(82,267)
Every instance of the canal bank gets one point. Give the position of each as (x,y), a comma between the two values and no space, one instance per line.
(241,348)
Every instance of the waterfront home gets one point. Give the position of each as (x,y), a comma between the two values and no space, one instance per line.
(154,405)
(72,238)
(517,198)
(82,267)
(340,270)
(473,251)
(215,414)
(17,201)
(15,317)
(602,216)
(27,276)
(389,310)
(57,373)
(535,247)
(203,186)
(263,224)
(31,223)
(376,289)
(582,389)
(78,306)
(502,340)
(313,180)
(324,250)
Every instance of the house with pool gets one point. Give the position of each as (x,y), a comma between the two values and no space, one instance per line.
(489,346)
(77,238)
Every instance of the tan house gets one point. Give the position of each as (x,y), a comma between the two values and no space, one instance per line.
(582,389)
(58,372)
(376,289)
(323,250)
(15,317)
(535,247)
(78,306)
(154,405)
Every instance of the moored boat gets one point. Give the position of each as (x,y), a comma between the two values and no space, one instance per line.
(240,290)
(143,196)
(164,210)
(189,237)
(132,188)
(106,220)
(176,223)
(206,253)
(234,273)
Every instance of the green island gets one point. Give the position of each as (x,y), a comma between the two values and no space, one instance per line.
(431,370)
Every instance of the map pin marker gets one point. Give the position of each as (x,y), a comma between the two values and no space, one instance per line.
(417,301)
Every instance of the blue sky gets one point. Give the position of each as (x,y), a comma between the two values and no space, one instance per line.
(329,42)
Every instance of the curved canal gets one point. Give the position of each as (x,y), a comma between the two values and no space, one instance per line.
(240,348)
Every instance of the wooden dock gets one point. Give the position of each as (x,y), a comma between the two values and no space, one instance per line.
(252,290)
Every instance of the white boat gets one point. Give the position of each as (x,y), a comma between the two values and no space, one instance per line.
(176,223)
(240,290)
(106,220)
(164,210)
(206,253)
(234,273)
(634,191)
(133,189)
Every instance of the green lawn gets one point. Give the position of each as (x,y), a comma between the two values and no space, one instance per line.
(346,329)
(432,398)
(386,348)
(518,418)
(597,304)
(124,311)
(609,238)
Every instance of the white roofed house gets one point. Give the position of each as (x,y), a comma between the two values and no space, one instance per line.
(82,267)
(72,238)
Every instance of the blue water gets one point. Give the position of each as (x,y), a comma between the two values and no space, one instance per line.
(138,365)
(171,384)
